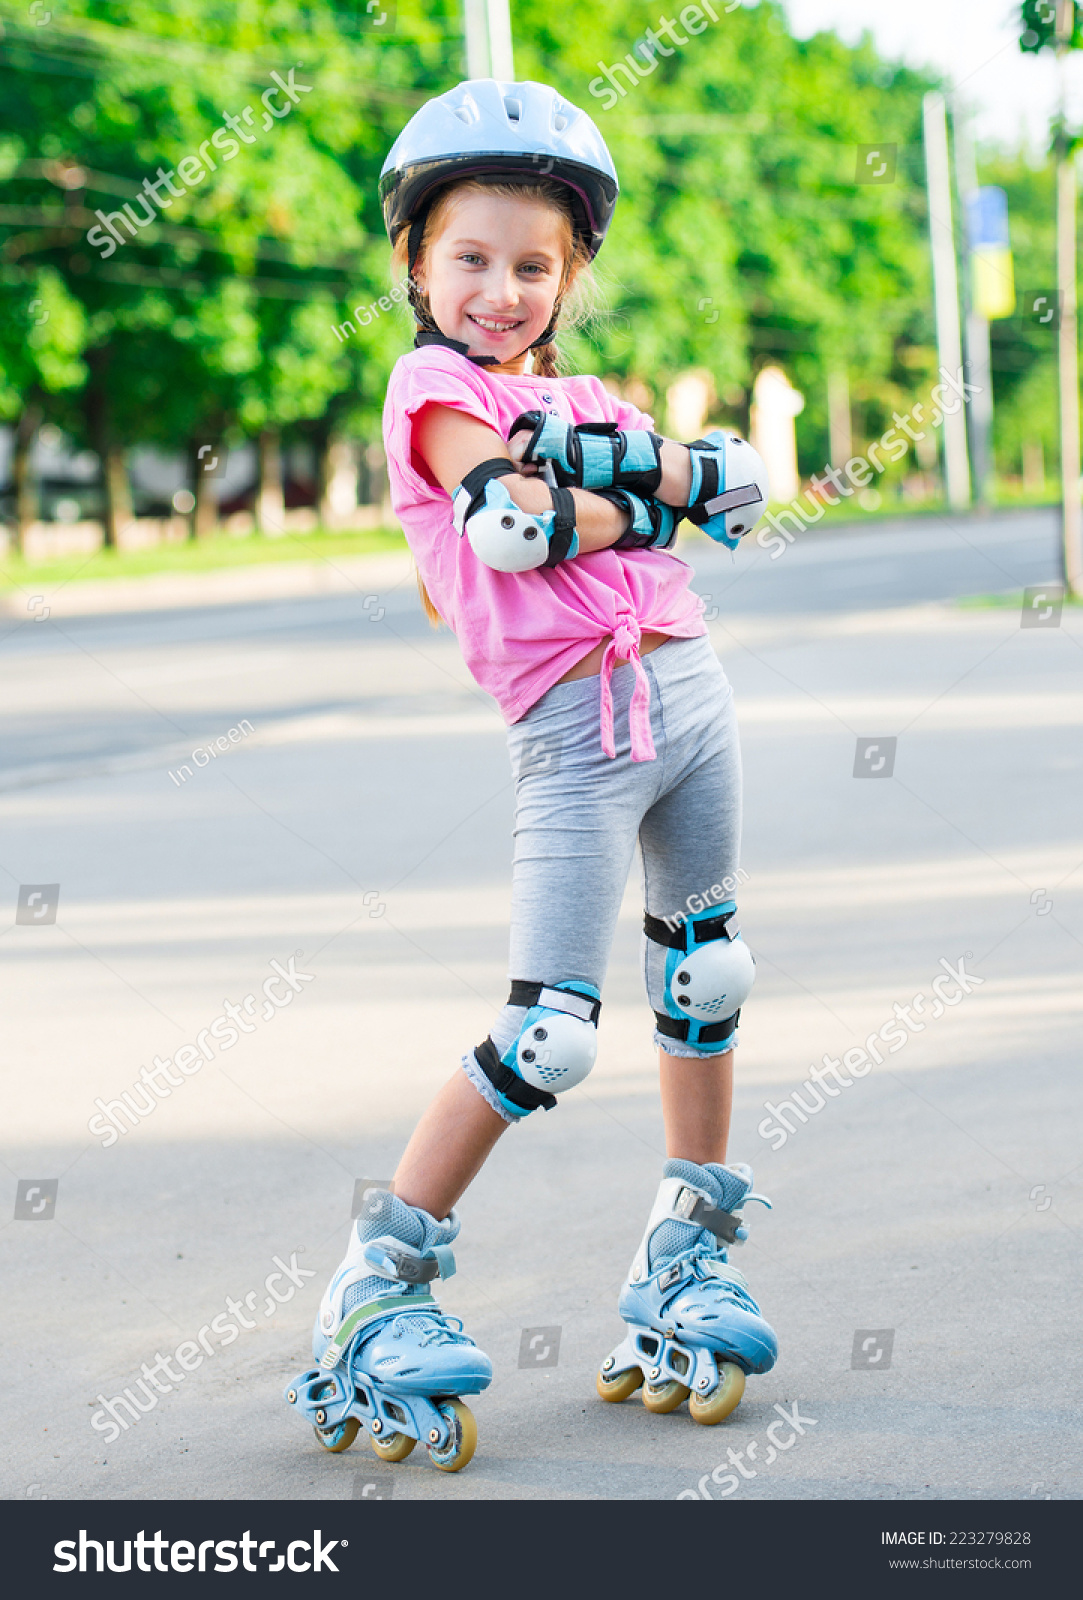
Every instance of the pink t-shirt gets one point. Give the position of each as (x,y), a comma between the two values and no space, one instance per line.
(520,632)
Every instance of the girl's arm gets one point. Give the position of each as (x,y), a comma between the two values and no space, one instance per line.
(450,443)
(676,462)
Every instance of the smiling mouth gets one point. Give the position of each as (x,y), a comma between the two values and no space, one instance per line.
(491,326)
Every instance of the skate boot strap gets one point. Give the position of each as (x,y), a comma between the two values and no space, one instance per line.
(692,1205)
(338,1346)
(402,1263)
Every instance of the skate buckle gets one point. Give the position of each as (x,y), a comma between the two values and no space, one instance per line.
(402,1263)
(725,1225)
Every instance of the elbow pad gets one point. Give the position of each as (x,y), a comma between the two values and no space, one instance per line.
(595,455)
(653,525)
(729,487)
(501,534)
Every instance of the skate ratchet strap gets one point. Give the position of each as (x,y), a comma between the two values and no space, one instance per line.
(709,1032)
(659,931)
(371,1311)
(563,534)
(402,1263)
(583,1006)
(690,1206)
(508,1083)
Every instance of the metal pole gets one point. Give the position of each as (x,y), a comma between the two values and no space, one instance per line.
(976,327)
(1068,350)
(501,55)
(476,29)
(946,290)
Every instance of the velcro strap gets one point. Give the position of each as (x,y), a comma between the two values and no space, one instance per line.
(709,1032)
(476,479)
(560,540)
(508,1083)
(659,931)
(747,495)
(566,1000)
(369,1312)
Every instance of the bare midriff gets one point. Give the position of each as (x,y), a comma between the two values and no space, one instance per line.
(591,665)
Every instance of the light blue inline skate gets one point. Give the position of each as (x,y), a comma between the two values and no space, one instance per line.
(694,1331)
(386,1355)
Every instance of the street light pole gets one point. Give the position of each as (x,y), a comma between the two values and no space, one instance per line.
(946,291)
(489,53)
(1068,350)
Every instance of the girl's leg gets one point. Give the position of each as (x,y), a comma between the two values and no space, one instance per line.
(697,1097)
(690,840)
(448,1148)
(577,816)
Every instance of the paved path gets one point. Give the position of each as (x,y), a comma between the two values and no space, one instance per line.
(362,818)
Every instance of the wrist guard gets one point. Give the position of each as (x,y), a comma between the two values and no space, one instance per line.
(595,455)
(653,525)
(501,534)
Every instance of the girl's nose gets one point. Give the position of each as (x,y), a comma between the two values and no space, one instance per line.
(501,289)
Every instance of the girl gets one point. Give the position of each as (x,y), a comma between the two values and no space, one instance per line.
(541,512)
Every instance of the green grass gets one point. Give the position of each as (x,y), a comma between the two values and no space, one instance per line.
(1012,602)
(204,555)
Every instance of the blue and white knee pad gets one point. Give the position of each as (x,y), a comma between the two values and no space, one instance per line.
(729,487)
(554,1050)
(709,972)
(501,534)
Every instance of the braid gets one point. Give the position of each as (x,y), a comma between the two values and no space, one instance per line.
(546,362)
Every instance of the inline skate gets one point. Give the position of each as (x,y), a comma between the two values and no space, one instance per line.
(694,1330)
(385,1354)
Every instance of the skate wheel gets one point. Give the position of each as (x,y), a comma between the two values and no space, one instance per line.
(464,1438)
(665,1398)
(339,1438)
(726,1398)
(392,1446)
(620,1385)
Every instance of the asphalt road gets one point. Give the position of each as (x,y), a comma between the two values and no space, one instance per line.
(927,1219)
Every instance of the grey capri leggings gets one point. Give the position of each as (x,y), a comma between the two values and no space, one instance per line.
(579,815)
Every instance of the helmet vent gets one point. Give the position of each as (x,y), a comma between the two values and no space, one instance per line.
(560,122)
(513,107)
(467,112)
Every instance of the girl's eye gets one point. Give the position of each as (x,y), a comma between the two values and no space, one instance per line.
(470,258)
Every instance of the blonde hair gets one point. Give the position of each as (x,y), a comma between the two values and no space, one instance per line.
(573,296)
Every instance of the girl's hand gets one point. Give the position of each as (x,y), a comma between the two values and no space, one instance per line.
(516,449)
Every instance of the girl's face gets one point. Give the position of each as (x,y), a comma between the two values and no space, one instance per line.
(493,274)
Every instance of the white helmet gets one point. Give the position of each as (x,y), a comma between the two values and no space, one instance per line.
(499,131)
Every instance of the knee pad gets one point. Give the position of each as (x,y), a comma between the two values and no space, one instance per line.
(501,534)
(553,1051)
(709,971)
(729,487)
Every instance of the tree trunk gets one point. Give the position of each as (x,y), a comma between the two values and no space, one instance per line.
(202,472)
(116,489)
(336,470)
(118,493)
(270,506)
(26,489)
